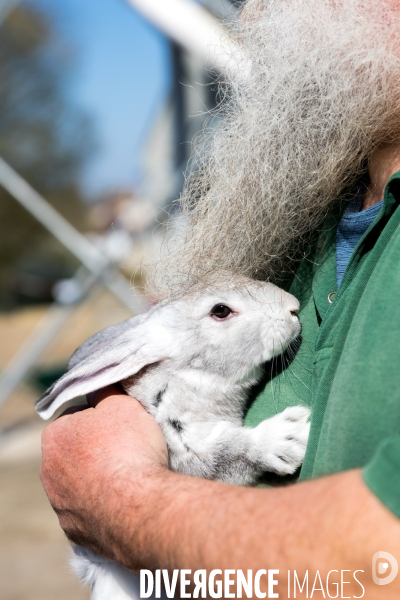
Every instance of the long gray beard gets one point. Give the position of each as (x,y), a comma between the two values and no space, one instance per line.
(323,92)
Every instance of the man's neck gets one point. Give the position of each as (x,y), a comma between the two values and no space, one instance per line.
(383,163)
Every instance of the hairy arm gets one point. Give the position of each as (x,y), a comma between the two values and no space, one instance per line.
(105,472)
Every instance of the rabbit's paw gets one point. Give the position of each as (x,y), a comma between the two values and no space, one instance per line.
(280,442)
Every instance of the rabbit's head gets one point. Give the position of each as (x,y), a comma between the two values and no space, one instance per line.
(234,324)
(228,325)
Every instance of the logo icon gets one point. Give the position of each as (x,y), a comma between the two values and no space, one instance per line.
(384,563)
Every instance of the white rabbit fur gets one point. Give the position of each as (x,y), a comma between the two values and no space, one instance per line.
(193,372)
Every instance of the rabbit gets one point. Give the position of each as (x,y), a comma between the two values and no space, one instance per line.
(192,361)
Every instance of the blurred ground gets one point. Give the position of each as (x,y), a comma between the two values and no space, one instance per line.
(33,549)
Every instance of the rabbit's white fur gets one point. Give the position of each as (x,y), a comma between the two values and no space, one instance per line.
(193,371)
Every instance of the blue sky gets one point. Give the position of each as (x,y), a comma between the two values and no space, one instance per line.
(121,77)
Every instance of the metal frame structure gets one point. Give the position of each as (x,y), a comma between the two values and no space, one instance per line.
(95,268)
(191,28)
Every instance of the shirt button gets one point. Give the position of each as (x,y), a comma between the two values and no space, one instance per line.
(331,297)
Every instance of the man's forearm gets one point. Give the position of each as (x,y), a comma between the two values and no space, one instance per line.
(331,523)
(105,472)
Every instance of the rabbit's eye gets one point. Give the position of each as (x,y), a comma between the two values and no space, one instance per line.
(220,311)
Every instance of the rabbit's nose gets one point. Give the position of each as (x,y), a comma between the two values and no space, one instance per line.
(291,304)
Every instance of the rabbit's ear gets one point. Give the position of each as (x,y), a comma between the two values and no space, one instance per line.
(135,348)
(101,340)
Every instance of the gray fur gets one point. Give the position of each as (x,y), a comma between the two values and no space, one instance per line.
(193,373)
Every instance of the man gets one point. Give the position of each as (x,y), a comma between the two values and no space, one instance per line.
(316,130)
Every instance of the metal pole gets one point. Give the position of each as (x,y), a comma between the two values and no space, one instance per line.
(190,25)
(74,241)
(24,359)
(21,364)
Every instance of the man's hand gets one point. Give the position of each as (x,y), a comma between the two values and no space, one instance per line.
(92,457)
(105,472)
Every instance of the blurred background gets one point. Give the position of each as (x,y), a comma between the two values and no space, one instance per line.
(99,104)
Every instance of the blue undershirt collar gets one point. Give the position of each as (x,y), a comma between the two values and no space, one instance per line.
(353,224)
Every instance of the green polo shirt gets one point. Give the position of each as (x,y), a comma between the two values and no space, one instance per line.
(347,368)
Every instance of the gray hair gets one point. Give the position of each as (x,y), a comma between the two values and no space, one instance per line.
(323,92)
